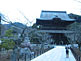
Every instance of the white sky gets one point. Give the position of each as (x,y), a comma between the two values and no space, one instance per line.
(32,8)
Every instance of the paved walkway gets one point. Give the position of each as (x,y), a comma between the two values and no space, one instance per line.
(56,54)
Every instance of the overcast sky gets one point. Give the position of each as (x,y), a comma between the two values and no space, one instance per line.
(32,8)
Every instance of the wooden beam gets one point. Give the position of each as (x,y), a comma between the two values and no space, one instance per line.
(56,31)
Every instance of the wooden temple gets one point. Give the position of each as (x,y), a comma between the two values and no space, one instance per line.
(55,23)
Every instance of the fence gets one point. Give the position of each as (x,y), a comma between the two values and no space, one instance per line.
(39,52)
(77,54)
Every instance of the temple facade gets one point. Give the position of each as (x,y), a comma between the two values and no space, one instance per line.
(55,23)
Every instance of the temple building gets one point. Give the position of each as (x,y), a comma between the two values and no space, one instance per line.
(55,23)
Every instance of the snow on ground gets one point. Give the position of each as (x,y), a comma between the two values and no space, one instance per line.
(56,54)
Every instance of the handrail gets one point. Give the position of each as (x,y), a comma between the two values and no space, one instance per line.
(76,53)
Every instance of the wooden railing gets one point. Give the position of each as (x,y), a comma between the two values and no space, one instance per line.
(77,53)
(39,52)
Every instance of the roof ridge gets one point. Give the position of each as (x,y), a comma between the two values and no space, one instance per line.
(54,11)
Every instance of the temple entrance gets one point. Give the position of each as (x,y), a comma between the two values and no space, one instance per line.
(59,39)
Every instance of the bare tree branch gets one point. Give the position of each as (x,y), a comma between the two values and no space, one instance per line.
(24,16)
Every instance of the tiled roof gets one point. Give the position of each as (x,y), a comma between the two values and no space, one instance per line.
(47,15)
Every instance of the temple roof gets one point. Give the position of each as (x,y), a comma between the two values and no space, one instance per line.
(49,15)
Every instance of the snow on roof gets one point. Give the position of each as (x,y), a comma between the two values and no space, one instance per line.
(47,15)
